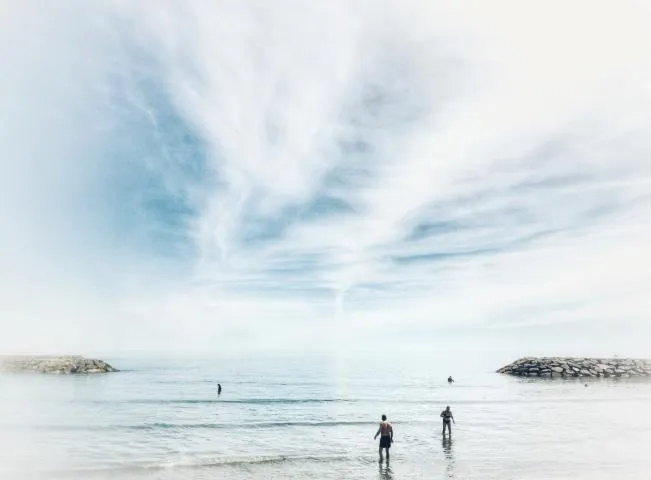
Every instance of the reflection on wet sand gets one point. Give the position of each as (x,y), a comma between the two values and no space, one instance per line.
(449,456)
(385,472)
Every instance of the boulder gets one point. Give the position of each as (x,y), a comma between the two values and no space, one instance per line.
(548,367)
(62,365)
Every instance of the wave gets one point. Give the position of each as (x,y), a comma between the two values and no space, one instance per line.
(250,425)
(232,461)
(194,426)
(247,401)
(397,401)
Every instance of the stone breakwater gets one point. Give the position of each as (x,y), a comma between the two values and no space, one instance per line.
(69,364)
(556,367)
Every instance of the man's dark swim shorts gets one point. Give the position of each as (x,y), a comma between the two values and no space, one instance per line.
(385,442)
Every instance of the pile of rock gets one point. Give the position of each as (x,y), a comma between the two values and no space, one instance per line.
(557,367)
(69,364)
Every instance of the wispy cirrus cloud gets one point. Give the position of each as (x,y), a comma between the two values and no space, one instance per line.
(287,172)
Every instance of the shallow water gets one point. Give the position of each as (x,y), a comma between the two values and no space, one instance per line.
(316,417)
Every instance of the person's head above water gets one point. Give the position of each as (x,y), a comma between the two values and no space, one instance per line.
(384,418)
(447,408)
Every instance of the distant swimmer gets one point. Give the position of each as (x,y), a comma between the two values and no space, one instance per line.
(448,418)
(219,389)
(386,436)
(450,380)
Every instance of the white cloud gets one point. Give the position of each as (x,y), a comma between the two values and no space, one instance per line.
(517,132)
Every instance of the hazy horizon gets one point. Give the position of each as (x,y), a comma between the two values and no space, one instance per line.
(325,176)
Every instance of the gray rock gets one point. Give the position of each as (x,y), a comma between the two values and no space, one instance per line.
(60,365)
(549,367)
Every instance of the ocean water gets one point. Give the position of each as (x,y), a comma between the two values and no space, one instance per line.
(315,417)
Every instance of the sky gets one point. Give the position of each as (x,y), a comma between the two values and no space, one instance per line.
(250,175)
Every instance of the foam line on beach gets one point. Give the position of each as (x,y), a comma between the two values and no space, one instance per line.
(206,464)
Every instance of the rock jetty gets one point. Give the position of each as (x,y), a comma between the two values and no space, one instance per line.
(69,364)
(558,367)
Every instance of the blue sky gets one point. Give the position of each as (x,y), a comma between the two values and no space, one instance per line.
(278,174)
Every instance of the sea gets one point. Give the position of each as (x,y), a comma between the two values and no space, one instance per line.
(313,416)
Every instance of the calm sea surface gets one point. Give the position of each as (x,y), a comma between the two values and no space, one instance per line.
(316,417)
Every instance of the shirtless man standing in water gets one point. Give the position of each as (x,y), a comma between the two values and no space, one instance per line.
(447,416)
(386,436)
